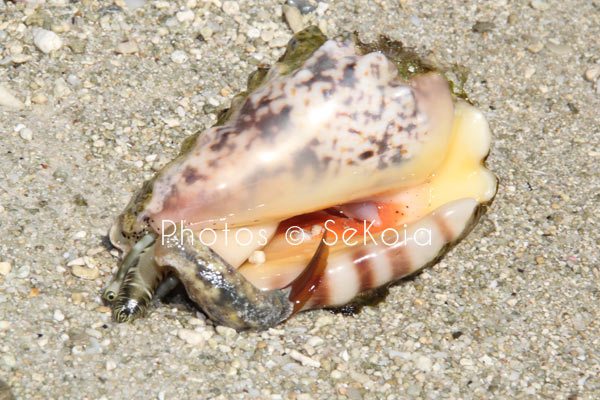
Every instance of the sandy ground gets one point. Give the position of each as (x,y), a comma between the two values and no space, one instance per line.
(512,312)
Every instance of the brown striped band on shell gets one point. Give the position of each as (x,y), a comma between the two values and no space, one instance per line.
(355,271)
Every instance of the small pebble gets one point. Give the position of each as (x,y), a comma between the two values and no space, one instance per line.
(179,57)
(23,272)
(276,332)
(128,47)
(535,47)
(304,6)
(253,33)
(85,272)
(77,46)
(15,48)
(579,322)
(592,73)
(8,99)
(20,58)
(321,8)
(95,250)
(413,390)
(206,32)
(171,122)
(231,7)
(559,49)
(133,4)
(304,360)
(77,297)
(465,362)
(4,325)
(529,71)
(5,393)
(226,91)
(110,365)
(190,336)
(60,88)
(9,360)
(487,360)
(424,363)
(224,348)
(309,349)
(279,41)
(196,322)
(226,331)
(59,316)
(46,41)
(185,16)
(76,261)
(39,98)
(26,134)
(315,341)
(293,17)
(5,268)
(324,320)
(482,27)
(94,333)
(540,5)
(353,394)
(267,35)
(61,27)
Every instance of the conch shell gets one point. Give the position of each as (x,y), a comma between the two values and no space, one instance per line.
(375,176)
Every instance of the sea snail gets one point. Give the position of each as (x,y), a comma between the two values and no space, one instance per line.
(332,175)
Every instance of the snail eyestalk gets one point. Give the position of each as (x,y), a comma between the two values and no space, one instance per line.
(111,291)
(165,287)
(138,287)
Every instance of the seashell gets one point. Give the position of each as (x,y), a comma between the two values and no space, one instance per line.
(344,167)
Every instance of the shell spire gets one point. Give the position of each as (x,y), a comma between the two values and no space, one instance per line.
(341,127)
